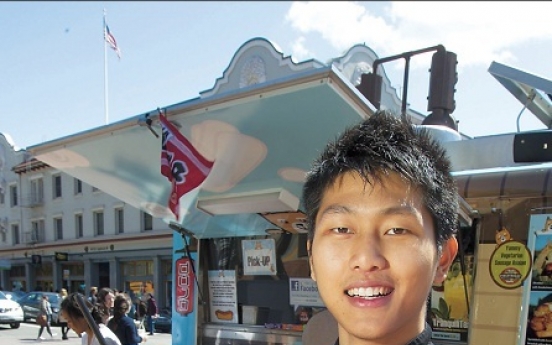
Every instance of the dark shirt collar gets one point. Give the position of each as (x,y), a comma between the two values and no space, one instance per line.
(423,338)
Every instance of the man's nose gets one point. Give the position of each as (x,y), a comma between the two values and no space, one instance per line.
(367,254)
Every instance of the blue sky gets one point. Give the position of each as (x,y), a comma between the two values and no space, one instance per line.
(52,60)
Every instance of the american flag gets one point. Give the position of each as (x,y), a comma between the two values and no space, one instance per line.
(109,38)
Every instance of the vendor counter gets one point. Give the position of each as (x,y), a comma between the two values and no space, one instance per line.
(238,334)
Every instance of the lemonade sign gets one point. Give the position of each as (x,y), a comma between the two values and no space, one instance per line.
(449,303)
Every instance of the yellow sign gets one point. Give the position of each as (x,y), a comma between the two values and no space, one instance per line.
(510,264)
(140,287)
(59,256)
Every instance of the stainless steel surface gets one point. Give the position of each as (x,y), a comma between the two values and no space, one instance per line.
(234,334)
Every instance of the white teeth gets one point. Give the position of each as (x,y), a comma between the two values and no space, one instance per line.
(367,292)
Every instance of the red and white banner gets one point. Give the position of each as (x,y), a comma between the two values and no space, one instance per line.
(181,163)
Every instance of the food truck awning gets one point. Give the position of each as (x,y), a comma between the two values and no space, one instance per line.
(262,139)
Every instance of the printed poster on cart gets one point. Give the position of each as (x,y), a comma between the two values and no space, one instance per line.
(259,257)
(449,312)
(536,312)
(304,292)
(223,296)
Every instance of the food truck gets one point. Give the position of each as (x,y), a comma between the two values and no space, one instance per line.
(240,268)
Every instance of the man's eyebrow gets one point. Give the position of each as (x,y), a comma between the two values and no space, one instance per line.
(400,209)
(335,209)
(393,210)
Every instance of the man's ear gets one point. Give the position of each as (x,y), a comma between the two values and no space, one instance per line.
(448,254)
(309,251)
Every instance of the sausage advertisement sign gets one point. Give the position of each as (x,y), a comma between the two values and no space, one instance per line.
(536,313)
(510,264)
(222,296)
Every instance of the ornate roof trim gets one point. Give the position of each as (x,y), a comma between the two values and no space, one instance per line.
(257,61)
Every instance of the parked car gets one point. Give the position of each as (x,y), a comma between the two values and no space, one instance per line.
(31,304)
(10,312)
(14,295)
(162,323)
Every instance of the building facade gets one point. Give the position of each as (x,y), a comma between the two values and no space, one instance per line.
(57,231)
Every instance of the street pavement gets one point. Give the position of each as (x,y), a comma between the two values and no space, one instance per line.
(28,333)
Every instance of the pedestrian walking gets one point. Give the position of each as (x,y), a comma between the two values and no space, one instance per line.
(152,311)
(61,320)
(44,318)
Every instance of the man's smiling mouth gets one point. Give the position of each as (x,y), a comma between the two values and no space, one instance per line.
(369,292)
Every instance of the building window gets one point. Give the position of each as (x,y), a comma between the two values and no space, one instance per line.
(76,269)
(98,223)
(2,198)
(77,186)
(15,234)
(147,221)
(119,220)
(56,184)
(37,232)
(79,231)
(166,267)
(37,191)
(13,196)
(58,228)
(138,268)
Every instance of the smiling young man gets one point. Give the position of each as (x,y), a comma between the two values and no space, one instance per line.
(382,212)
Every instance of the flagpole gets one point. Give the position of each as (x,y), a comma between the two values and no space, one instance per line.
(106,109)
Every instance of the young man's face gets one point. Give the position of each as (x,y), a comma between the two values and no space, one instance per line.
(374,259)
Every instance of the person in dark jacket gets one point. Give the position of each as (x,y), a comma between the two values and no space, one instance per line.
(122,325)
(141,309)
(381,209)
(152,311)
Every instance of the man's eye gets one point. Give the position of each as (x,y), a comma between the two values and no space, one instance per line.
(396,231)
(341,230)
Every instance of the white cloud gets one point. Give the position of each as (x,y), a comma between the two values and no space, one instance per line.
(342,24)
(478,32)
(300,52)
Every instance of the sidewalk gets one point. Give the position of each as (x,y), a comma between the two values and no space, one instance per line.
(156,339)
(159,339)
